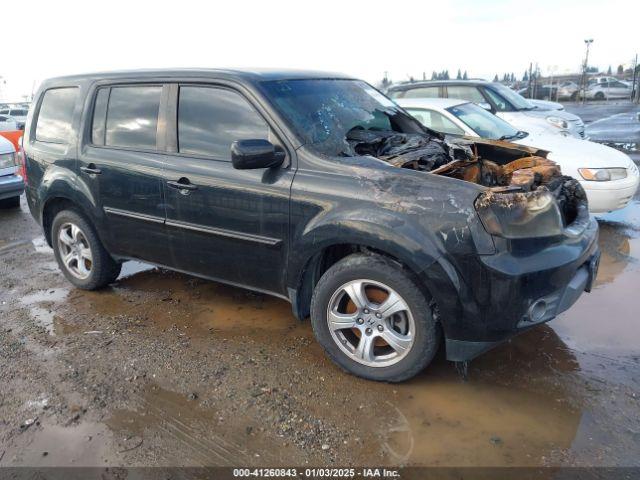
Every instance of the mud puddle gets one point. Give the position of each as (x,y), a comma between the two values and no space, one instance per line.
(86,444)
(167,299)
(606,320)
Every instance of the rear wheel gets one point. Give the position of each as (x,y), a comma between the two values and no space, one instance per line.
(13,202)
(599,96)
(79,252)
(373,320)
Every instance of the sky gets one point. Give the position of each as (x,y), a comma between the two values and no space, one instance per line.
(363,39)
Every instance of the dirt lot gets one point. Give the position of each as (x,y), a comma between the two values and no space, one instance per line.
(165,369)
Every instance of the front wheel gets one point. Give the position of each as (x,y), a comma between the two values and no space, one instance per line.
(372,319)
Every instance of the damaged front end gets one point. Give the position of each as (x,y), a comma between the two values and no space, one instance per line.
(526,196)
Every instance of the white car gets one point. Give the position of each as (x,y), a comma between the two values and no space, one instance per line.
(609,177)
(11,183)
(18,114)
(498,99)
(609,88)
(7,124)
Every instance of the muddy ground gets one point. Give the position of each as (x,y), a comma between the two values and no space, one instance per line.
(166,369)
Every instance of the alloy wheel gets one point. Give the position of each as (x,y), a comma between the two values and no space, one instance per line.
(74,249)
(371,323)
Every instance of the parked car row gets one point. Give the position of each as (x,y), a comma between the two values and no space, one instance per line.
(11,115)
(498,99)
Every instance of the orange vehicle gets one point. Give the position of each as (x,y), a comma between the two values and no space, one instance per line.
(14,137)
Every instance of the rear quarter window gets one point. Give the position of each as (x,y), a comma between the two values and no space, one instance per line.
(423,92)
(56,114)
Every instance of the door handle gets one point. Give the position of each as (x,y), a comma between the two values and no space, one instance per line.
(91,169)
(182,184)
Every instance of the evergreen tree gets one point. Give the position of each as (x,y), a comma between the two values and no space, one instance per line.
(434,75)
(525,77)
(464,76)
(620,69)
(495,79)
(609,72)
(459,76)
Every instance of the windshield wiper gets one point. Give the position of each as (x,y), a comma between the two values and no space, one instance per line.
(518,134)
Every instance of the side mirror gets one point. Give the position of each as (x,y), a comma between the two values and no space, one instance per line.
(256,153)
(485,105)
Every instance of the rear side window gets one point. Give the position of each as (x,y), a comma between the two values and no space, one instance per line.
(211,119)
(132,117)
(56,113)
(423,92)
(464,92)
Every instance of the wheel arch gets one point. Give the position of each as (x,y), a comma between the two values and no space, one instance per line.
(55,204)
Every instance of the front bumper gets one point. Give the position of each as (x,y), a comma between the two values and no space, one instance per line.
(11,186)
(499,296)
(607,196)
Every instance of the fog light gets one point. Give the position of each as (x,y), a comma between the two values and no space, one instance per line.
(537,310)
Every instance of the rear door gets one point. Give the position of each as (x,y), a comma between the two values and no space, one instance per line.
(121,167)
(225,223)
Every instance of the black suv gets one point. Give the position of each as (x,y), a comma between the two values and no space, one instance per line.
(315,188)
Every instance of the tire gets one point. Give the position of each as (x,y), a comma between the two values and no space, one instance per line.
(599,96)
(574,96)
(13,202)
(91,267)
(374,275)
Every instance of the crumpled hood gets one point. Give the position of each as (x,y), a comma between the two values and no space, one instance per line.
(572,153)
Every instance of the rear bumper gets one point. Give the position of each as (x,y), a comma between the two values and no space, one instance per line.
(11,186)
(502,295)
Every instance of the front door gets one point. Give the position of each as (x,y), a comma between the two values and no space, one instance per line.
(225,223)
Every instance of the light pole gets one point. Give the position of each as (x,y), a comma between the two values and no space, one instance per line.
(588,43)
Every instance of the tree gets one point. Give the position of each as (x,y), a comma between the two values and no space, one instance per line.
(495,79)
(464,76)
(525,77)
(620,69)
(609,72)
(459,76)
(434,75)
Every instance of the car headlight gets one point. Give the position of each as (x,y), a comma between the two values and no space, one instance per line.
(558,122)
(7,160)
(603,174)
(520,215)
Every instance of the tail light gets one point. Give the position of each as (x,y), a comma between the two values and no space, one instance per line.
(21,161)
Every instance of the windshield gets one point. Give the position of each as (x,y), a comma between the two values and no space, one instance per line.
(483,123)
(322,111)
(18,113)
(515,99)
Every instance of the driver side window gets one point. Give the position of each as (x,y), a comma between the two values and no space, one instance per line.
(435,121)
(500,102)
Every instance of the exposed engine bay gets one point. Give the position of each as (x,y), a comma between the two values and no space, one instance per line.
(513,173)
